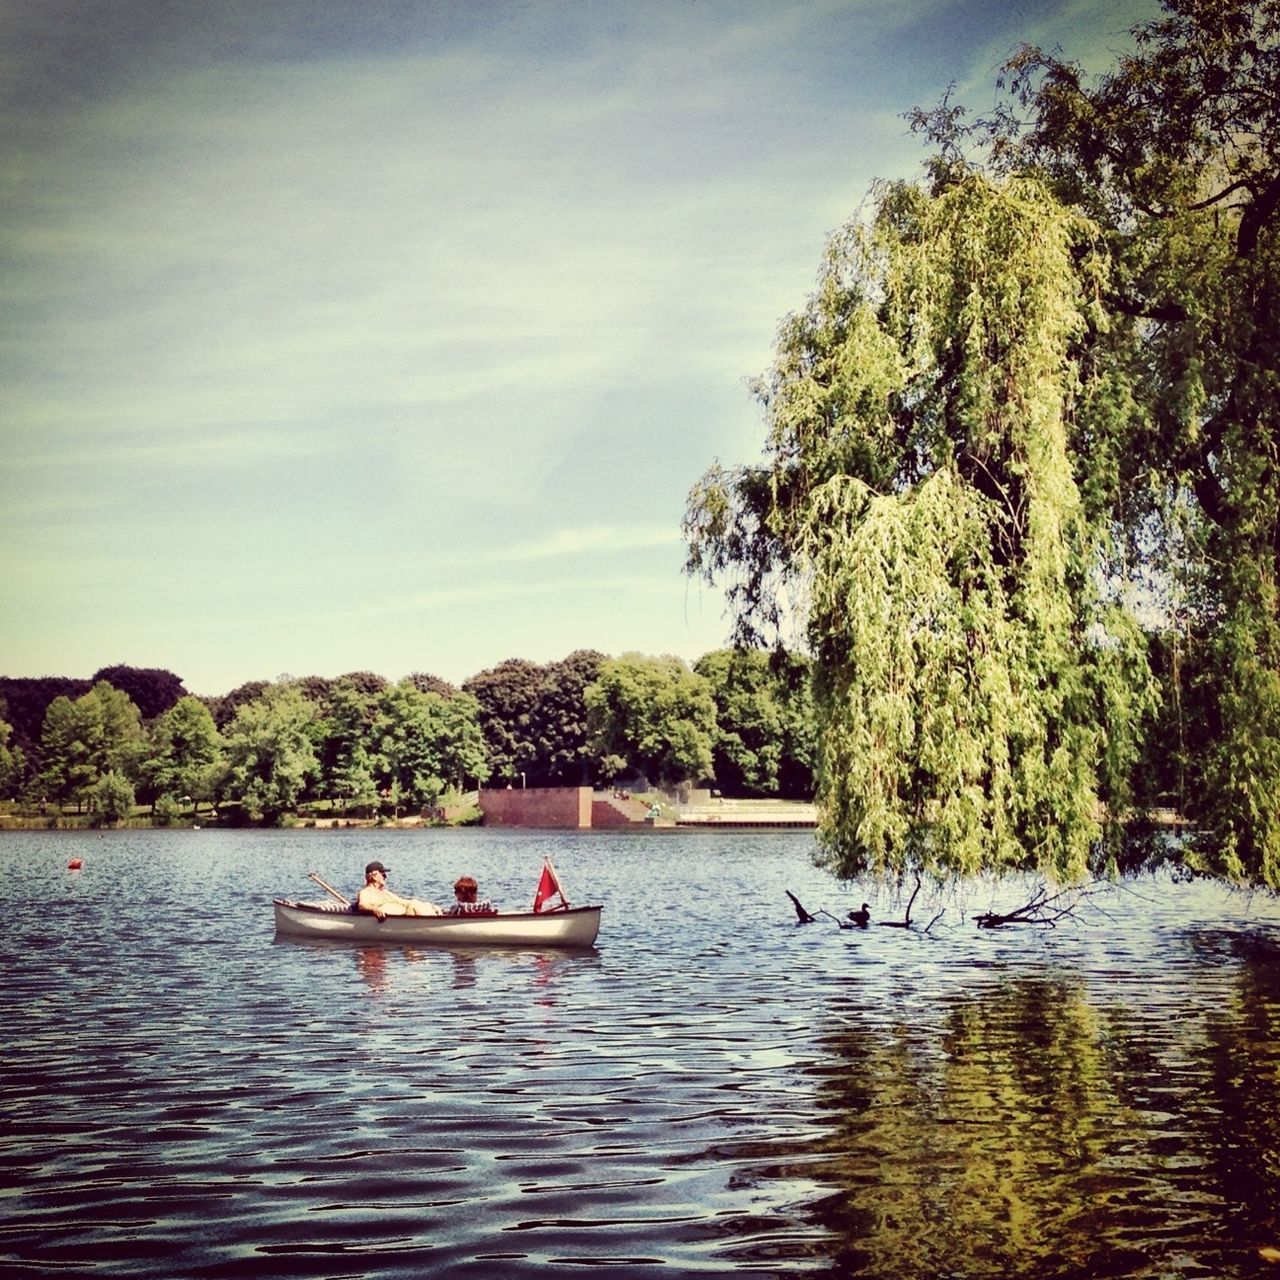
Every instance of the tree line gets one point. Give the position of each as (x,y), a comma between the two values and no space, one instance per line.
(739,719)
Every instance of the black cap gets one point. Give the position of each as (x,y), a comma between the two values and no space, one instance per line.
(376,866)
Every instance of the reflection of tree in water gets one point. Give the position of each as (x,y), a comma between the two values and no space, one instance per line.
(968,1155)
(1034,1136)
(1241,1126)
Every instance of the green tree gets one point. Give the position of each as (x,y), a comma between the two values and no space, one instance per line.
(111,798)
(26,700)
(343,747)
(367,682)
(562,754)
(151,689)
(225,707)
(316,689)
(748,745)
(507,696)
(765,728)
(123,745)
(792,677)
(408,737)
(269,752)
(425,682)
(534,719)
(463,757)
(652,714)
(185,752)
(65,746)
(1175,157)
(99,732)
(980,694)
(12,764)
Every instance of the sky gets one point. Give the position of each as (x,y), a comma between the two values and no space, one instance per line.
(391,336)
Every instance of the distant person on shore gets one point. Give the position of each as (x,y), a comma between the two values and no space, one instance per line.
(378,900)
(465,890)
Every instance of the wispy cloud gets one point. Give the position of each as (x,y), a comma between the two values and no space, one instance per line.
(597,540)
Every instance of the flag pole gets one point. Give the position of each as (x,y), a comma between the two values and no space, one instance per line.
(548,887)
(555,875)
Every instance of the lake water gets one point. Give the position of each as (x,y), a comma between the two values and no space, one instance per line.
(712,1090)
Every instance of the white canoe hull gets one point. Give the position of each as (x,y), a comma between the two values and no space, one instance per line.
(574,927)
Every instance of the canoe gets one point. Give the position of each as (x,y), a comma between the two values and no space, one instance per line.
(572,927)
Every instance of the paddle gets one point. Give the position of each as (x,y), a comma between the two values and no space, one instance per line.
(329,889)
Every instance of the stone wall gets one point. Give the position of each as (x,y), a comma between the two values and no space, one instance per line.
(536,807)
(604,814)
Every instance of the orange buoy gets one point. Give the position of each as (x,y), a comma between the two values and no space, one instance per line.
(75,864)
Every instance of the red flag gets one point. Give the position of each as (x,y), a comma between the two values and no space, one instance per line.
(548,887)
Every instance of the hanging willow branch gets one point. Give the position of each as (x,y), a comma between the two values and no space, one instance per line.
(977,696)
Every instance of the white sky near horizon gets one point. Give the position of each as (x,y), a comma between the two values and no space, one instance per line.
(391,336)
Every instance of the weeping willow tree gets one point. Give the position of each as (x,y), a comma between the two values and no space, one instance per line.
(979,687)
(1176,154)
(1047,377)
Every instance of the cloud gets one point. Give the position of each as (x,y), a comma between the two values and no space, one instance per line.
(596,540)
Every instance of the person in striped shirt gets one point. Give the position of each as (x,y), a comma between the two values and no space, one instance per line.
(465,890)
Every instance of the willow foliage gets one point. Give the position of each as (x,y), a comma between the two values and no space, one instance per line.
(1176,155)
(1014,399)
(979,696)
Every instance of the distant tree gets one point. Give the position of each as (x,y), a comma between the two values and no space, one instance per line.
(152,689)
(66,744)
(98,733)
(224,708)
(507,696)
(426,683)
(748,745)
(111,798)
(559,734)
(368,682)
(793,684)
(462,747)
(344,747)
(766,726)
(12,764)
(184,752)
(27,699)
(270,757)
(652,714)
(317,689)
(123,744)
(407,736)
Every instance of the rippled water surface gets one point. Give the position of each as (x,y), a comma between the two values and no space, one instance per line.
(711,1090)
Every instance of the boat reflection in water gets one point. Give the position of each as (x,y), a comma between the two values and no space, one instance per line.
(384,967)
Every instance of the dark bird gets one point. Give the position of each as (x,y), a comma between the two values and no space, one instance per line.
(802,916)
(861,918)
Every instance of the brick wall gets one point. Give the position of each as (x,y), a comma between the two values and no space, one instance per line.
(537,807)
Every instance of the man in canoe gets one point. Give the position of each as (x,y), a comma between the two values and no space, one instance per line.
(378,900)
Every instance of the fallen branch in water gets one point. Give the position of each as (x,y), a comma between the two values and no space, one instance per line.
(942,912)
(802,916)
(1044,909)
(840,924)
